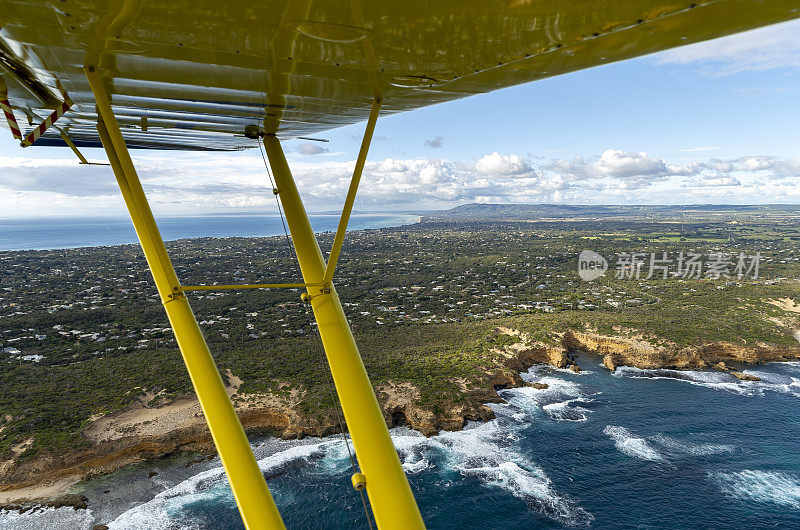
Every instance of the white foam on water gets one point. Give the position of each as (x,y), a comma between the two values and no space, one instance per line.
(46,519)
(484,452)
(772,382)
(565,411)
(715,380)
(414,467)
(165,509)
(631,445)
(335,456)
(537,371)
(532,485)
(412,448)
(556,401)
(780,383)
(761,486)
(568,371)
(793,366)
(678,447)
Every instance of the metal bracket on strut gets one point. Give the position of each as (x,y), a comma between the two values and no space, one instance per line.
(306,297)
(176,293)
(253,131)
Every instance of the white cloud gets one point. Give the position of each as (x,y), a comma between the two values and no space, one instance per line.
(754,163)
(625,169)
(699,149)
(311,149)
(57,176)
(721,180)
(786,168)
(717,164)
(434,143)
(776,46)
(239,180)
(497,165)
(625,165)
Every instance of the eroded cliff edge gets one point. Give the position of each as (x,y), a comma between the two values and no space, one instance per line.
(154,425)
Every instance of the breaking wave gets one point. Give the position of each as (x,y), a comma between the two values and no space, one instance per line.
(499,458)
(65,517)
(165,510)
(631,445)
(660,446)
(761,486)
(772,382)
(566,411)
(560,401)
(482,451)
(485,452)
(677,447)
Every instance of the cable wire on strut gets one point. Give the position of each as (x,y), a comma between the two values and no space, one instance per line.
(276,192)
(339,414)
(320,347)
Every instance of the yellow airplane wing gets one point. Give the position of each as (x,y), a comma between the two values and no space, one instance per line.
(194,74)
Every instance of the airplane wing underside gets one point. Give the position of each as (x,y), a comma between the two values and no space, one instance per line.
(193,74)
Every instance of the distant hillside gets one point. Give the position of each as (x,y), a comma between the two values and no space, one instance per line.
(533,212)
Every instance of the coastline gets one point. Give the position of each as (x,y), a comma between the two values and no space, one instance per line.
(35,234)
(154,426)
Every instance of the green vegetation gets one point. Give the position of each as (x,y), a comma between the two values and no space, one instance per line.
(83,332)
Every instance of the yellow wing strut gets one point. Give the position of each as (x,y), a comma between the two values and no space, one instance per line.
(389,493)
(392,502)
(338,239)
(256,505)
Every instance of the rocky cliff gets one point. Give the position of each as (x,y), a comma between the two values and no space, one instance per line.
(633,349)
(151,428)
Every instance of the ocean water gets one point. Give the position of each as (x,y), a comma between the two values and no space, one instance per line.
(636,449)
(49,233)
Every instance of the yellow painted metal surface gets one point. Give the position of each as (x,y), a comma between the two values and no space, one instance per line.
(185,288)
(71,145)
(199,71)
(389,493)
(255,503)
(350,199)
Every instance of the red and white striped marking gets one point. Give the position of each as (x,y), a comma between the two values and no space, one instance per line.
(12,121)
(50,120)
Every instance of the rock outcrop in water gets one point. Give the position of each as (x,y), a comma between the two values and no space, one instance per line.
(741,376)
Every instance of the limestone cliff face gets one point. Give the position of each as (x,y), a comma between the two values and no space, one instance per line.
(400,402)
(140,444)
(638,352)
(100,458)
(401,406)
(141,431)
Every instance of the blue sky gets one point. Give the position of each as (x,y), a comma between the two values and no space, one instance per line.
(716,122)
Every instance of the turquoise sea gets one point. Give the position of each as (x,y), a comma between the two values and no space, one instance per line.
(634,449)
